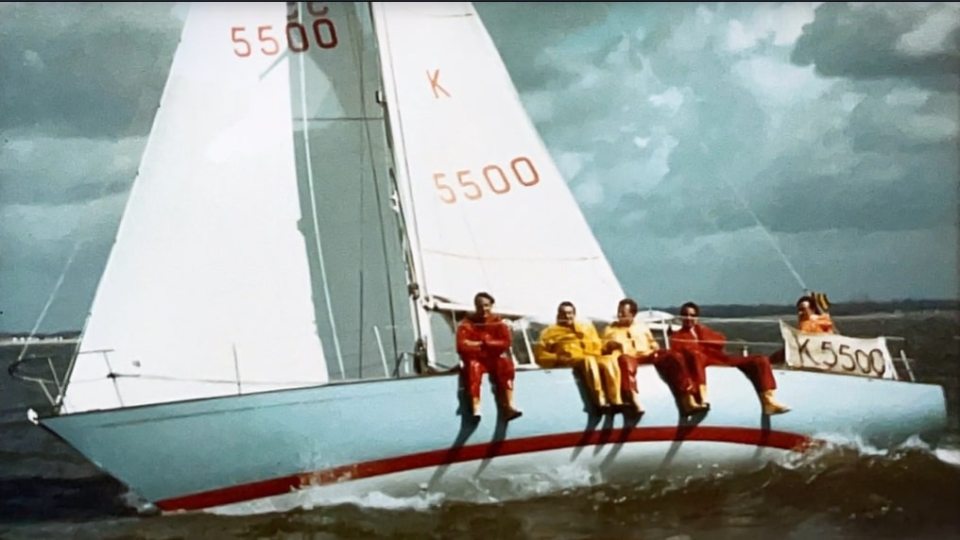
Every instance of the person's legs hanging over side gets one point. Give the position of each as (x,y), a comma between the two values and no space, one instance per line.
(629,394)
(695,365)
(591,377)
(504,373)
(473,371)
(611,380)
(672,367)
(757,369)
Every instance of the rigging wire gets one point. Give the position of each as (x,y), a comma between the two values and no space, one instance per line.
(376,191)
(395,137)
(78,243)
(767,234)
(50,298)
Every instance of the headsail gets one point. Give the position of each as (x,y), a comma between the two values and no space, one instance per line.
(207,289)
(486,202)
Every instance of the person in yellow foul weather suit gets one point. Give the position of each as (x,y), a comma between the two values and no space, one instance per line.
(576,344)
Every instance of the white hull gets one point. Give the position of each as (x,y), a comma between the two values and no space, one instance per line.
(405,438)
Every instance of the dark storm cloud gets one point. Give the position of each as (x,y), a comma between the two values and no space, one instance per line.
(882,192)
(872,41)
(92,70)
(801,160)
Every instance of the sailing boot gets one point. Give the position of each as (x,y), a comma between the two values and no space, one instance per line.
(475,408)
(633,405)
(771,405)
(689,405)
(510,412)
(602,406)
(703,398)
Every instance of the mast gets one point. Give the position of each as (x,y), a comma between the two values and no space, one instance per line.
(313,208)
(400,179)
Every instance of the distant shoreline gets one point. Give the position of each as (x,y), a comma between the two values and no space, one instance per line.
(838,309)
(714,311)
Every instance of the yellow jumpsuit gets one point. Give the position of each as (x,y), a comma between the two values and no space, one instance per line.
(582,344)
(635,340)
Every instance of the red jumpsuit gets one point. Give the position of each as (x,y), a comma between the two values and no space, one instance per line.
(702,347)
(491,356)
(669,365)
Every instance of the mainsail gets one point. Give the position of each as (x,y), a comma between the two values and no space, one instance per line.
(207,289)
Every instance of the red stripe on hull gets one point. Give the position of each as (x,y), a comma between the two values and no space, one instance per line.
(368,469)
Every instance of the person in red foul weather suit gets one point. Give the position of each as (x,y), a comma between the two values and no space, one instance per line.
(483,343)
(703,346)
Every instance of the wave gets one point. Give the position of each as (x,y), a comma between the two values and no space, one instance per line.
(834,472)
(28,499)
(840,489)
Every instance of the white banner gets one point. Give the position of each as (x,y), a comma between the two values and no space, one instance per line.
(866,357)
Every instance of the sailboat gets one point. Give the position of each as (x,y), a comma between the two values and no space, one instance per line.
(324,189)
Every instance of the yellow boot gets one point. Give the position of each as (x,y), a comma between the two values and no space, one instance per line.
(510,412)
(771,405)
(689,405)
(475,407)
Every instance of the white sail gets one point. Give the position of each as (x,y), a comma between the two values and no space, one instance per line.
(486,203)
(207,290)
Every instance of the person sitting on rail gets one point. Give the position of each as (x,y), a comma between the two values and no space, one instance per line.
(702,346)
(483,342)
(813,316)
(574,344)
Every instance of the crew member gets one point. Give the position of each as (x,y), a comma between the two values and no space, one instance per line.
(812,315)
(574,344)
(703,346)
(483,342)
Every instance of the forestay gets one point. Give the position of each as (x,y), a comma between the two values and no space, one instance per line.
(207,290)
(866,357)
(486,205)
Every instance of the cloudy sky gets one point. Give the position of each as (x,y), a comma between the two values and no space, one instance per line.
(721,152)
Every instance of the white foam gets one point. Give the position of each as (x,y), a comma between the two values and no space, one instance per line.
(309,499)
(379,500)
(950,456)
